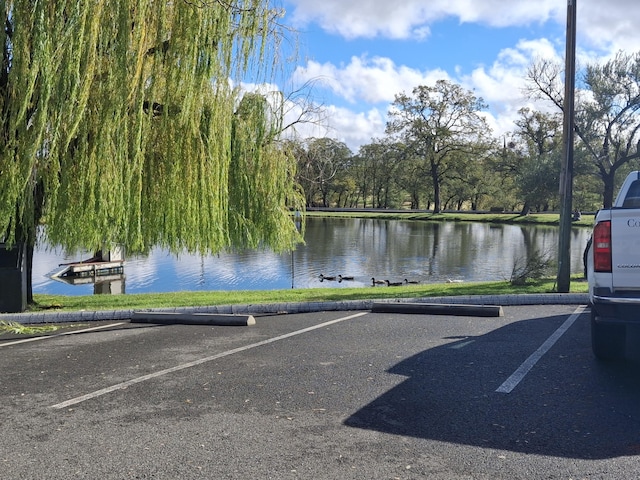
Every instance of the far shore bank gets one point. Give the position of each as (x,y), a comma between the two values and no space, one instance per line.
(534,218)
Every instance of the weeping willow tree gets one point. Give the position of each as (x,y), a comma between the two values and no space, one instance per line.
(120,124)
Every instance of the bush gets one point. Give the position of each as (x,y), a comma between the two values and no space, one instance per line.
(534,267)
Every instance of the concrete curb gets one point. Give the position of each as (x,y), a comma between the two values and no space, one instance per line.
(301,307)
(166,318)
(439,309)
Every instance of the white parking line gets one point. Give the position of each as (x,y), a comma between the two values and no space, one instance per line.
(47,337)
(517,376)
(120,386)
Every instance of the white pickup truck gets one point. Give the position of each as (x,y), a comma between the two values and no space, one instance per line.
(613,271)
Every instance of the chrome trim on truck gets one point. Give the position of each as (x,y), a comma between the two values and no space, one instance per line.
(615,300)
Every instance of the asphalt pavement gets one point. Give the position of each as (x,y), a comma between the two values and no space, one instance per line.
(342,394)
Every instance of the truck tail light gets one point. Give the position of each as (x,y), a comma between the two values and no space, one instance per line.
(602,247)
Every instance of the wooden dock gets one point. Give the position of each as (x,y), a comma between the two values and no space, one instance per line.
(104,271)
(89,269)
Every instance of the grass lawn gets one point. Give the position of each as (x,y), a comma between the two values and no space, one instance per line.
(185,299)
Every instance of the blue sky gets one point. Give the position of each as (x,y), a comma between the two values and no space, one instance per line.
(359,54)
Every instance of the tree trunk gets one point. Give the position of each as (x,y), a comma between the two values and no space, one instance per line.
(609,185)
(29,249)
(415,202)
(435,179)
(27,234)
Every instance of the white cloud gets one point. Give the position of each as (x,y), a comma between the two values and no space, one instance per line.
(365,18)
(410,18)
(502,84)
(345,125)
(610,24)
(363,81)
(362,90)
(375,81)
(372,80)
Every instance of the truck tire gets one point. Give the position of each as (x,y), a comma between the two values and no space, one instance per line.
(607,340)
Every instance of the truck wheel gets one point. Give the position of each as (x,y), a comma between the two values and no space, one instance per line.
(607,341)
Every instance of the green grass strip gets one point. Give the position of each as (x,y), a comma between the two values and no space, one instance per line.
(211,298)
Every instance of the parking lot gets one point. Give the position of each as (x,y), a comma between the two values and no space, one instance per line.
(328,395)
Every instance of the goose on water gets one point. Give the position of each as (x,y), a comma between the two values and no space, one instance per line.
(413,282)
(345,277)
(377,282)
(392,284)
(323,277)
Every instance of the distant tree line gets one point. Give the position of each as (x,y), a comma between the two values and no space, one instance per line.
(438,152)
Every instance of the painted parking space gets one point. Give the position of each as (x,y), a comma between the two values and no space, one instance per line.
(322,395)
(124,349)
(194,363)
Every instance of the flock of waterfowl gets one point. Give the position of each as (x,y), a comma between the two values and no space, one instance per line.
(393,284)
(374,281)
(339,278)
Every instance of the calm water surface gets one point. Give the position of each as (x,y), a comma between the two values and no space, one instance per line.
(363,248)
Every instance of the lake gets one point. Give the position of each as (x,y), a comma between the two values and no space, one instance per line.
(428,252)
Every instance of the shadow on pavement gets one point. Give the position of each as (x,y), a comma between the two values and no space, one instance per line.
(569,405)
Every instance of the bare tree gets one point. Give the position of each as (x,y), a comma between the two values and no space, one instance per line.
(319,161)
(607,114)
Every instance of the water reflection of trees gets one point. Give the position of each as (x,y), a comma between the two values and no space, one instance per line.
(360,247)
(429,250)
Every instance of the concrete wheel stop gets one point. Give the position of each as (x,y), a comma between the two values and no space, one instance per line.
(171,318)
(439,309)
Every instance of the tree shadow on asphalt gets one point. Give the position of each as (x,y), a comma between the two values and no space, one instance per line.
(569,405)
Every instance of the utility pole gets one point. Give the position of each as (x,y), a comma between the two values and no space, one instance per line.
(566,175)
